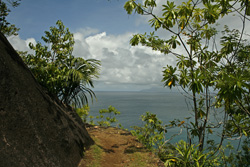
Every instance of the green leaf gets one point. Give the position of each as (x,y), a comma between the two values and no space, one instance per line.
(56,68)
(244,132)
(129,6)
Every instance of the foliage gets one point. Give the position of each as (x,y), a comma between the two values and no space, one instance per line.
(241,158)
(7,28)
(59,71)
(233,83)
(151,134)
(83,113)
(202,68)
(186,155)
(107,120)
(244,156)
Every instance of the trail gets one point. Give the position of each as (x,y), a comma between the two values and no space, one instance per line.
(119,149)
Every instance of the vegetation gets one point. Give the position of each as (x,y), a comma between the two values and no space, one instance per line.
(7,28)
(152,133)
(84,113)
(212,72)
(138,160)
(105,118)
(55,68)
(213,75)
(108,120)
(183,154)
(95,153)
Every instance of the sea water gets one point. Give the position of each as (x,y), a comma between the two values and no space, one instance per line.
(132,105)
(166,105)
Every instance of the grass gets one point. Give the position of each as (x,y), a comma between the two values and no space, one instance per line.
(140,159)
(94,155)
(137,160)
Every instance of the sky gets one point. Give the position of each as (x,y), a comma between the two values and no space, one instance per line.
(102,30)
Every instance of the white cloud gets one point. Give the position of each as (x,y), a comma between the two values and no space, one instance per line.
(20,44)
(84,32)
(81,47)
(123,64)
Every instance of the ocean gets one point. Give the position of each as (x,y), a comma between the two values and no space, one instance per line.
(166,105)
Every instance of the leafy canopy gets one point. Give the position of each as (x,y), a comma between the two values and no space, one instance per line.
(206,63)
(55,67)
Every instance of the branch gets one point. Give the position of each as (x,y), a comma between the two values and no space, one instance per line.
(151,13)
(189,16)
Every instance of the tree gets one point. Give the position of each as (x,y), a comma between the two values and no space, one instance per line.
(5,27)
(203,67)
(59,71)
(233,82)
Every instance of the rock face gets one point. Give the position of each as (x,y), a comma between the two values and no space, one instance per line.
(35,131)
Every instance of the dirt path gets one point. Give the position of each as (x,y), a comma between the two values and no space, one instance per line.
(118,149)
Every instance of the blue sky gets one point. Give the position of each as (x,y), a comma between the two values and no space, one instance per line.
(102,30)
(34,17)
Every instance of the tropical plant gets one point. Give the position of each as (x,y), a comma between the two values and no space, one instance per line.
(55,68)
(151,133)
(107,117)
(233,83)
(202,67)
(186,155)
(83,113)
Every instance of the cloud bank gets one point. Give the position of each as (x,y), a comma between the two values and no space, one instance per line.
(130,67)
(123,67)
(21,44)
